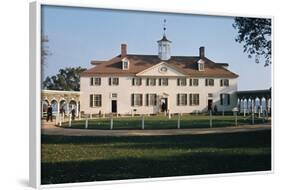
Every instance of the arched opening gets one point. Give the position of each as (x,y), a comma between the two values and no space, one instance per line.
(63,106)
(73,106)
(54,105)
(44,108)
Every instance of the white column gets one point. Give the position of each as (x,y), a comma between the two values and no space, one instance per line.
(67,108)
(58,113)
(77,109)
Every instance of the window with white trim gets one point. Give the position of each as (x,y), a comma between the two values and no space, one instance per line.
(136,99)
(181,99)
(209,82)
(225,99)
(224,82)
(193,82)
(95,100)
(125,64)
(150,81)
(95,81)
(113,81)
(193,99)
(163,82)
(136,81)
(181,82)
(150,99)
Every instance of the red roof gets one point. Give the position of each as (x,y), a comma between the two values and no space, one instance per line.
(138,63)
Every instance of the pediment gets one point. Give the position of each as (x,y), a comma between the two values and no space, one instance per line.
(161,69)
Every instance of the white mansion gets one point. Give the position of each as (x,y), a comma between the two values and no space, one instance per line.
(148,84)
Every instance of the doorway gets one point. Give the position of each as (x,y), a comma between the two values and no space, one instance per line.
(114,106)
(210,105)
(164,104)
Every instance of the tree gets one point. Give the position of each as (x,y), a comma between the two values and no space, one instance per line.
(255,34)
(66,79)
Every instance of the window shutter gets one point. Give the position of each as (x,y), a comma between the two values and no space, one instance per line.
(141,100)
(132,100)
(221,82)
(160,82)
(178,82)
(185,99)
(91,81)
(190,99)
(91,100)
(155,99)
(221,99)
(206,82)
(147,82)
(100,100)
(146,99)
(190,82)
(109,81)
(140,81)
(133,81)
(117,81)
(178,99)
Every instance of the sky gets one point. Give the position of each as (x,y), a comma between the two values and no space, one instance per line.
(79,35)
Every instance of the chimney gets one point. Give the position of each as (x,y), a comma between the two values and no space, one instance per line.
(123,50)
(202,52)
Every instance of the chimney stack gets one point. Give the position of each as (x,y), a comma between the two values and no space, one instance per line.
(202,52)
(123,50)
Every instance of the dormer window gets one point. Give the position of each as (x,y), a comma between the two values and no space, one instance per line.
(125,64)
(201,64)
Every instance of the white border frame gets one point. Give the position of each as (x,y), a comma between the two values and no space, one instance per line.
(35,89)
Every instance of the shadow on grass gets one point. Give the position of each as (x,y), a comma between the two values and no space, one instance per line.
(131,168)
(243,139)
(186,163)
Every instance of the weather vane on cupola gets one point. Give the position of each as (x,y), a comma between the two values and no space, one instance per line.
(164,27)
(164,45)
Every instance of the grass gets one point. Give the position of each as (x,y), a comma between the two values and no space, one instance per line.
(162,122)
(82,159)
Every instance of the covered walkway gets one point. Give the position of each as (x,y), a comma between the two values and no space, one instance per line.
(61,101)
(254,101)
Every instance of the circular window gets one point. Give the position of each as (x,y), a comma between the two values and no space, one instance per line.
(163,69)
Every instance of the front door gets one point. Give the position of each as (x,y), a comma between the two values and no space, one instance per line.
(210,105)
(114,106)
(164,104)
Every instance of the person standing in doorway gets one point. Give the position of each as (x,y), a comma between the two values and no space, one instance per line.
(73,114)
(49,113)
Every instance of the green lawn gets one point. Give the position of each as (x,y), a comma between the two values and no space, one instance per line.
(162,122)
(81,159)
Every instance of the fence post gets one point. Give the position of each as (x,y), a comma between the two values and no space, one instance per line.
(142,122)
(111,122)
(62,116)
(236,119)
(69,122)
(86,123)
(211,119)
(179,121)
